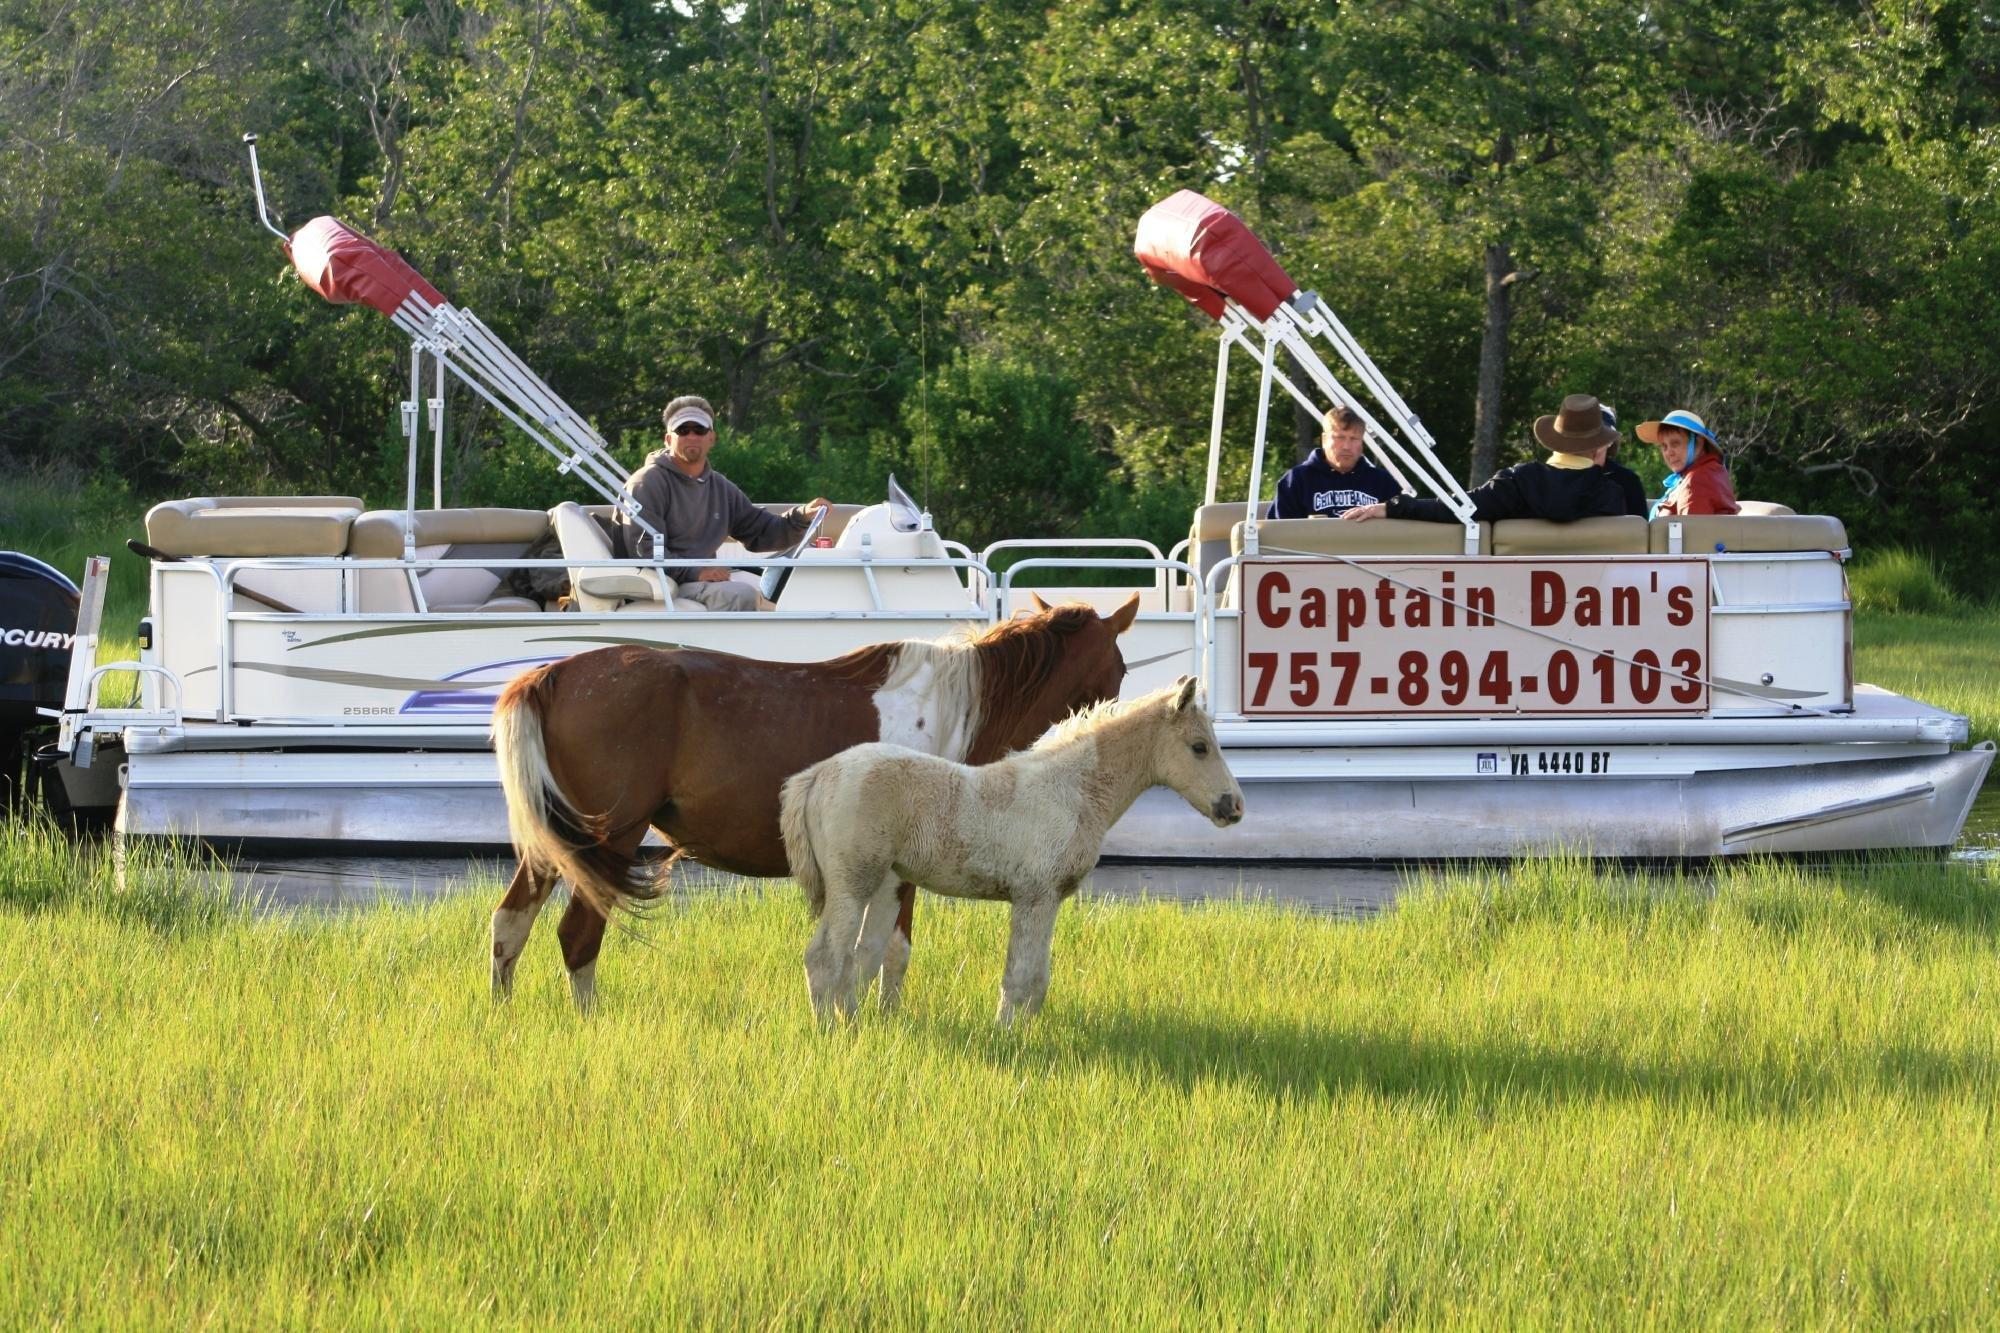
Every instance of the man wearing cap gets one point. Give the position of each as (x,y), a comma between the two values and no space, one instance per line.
(696,509)
(1628,481)
(1697,481)
(1335,477)
(1567,487)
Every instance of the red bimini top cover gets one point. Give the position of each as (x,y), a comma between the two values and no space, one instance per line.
(1203,251)
(346,268)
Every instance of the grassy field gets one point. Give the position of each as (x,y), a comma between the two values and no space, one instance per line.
(1951,661)
(1562,1095)
(1578,1097)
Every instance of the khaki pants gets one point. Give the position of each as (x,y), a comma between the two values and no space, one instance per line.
(728,595)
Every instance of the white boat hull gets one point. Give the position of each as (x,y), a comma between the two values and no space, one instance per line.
(1531,792)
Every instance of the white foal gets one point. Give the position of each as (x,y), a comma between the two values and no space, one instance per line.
(1026,828)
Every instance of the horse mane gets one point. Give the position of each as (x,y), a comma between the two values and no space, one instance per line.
(1018,658)
(985,678)
(1088,721)
(1029,648)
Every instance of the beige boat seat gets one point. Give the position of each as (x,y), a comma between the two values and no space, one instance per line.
(836,519)
(1378,536)
(1763,508)
(599,589)
(1208,536)
(444,534)
(1622,535)
(1335,536)
(1708,534)
(254,526)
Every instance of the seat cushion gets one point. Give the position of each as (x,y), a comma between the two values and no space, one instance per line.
(1706,534)
(510,606)
(1337,536)
(1623,535)
(378,534)
(253,525)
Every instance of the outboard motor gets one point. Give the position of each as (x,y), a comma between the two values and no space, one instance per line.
(37,622)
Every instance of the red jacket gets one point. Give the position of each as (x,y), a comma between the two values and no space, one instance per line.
(1704,488)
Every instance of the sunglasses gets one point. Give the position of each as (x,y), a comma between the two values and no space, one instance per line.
(691,428)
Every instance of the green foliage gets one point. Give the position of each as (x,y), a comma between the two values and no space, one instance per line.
(1897,579)
(1783,216)
(994,449)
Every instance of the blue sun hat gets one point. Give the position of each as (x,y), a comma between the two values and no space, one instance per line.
(1649,431)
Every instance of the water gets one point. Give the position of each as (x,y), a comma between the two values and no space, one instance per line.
(1981,839)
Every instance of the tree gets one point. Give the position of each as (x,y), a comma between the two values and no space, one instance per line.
(1502,117)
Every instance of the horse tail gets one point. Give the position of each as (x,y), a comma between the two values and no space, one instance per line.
(549,833)
(795,822)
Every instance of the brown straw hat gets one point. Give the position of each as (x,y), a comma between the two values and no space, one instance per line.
(1577,429)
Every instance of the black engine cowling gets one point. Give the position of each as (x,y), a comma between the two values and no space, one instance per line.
(37,622)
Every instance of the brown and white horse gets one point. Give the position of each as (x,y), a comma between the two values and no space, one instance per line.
(598,747)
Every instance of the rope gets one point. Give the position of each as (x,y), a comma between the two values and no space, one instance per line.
(1692,678)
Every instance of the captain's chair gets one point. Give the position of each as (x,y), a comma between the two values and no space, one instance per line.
(596,588)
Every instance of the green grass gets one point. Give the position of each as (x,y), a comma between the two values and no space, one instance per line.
(1952,661)
(1579,1097)
(1898,579)
(62,520)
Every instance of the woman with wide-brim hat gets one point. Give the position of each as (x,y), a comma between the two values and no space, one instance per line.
(1697,481)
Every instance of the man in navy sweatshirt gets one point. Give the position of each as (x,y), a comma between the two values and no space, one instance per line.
(1335,477)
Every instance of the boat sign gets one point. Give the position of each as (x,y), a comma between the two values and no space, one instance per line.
(1501,636)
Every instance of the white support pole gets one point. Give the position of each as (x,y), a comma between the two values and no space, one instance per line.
(1375,437)
(410,434)
(1257,454)
(1430,467)
(437,437)
(1215,417)
(481,352)
(531,407)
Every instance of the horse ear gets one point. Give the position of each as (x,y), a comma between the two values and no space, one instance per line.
(1036,598)
(1121,619)
(1186,696)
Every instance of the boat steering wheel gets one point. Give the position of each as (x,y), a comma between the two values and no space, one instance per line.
(776,576)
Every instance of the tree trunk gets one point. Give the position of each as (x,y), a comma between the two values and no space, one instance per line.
(1500,277)
(1305,426)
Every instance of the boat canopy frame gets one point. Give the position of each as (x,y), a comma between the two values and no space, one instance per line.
(347,267)
(1195,246)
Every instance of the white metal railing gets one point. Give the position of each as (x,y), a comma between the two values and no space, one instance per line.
(1071,544)
(1197,617)
(987,598)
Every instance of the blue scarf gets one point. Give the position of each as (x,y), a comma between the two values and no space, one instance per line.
(1676,474)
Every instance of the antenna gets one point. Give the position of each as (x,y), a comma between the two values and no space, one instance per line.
(257,179)
(924,390)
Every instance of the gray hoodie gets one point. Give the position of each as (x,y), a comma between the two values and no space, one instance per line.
(696,514)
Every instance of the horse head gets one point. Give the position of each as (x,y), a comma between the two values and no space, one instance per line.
(1187,757)
(1041,668)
